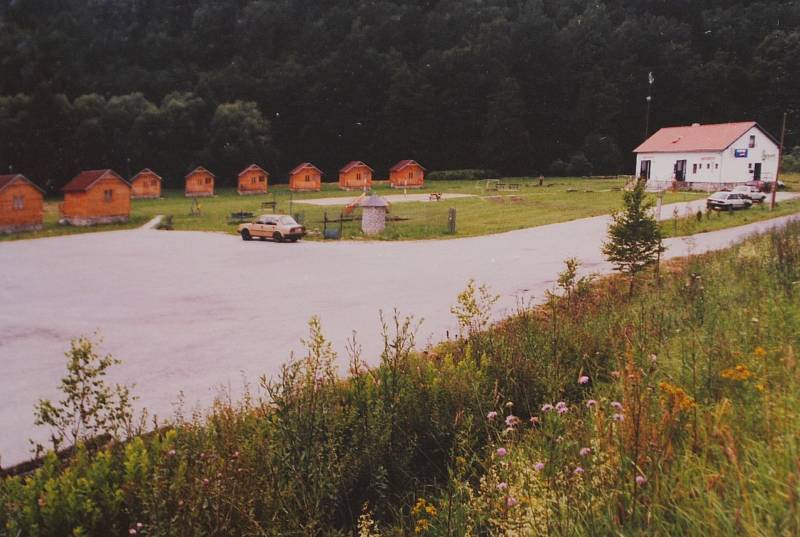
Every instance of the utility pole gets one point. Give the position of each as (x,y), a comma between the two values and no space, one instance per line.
(650,81)
(778,171)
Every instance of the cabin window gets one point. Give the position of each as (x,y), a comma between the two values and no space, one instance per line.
(752,141)
(358,177)
(308,178)
(108,195)
(261,179)
(411,175)
(154,182)
(253,180)
(208,180)
(19,203)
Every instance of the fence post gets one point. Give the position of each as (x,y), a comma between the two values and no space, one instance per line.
(451,220)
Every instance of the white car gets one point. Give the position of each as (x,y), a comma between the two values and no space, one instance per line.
(728,201)
(751,192)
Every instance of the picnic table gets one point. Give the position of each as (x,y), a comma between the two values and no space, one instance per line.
(509,186)
(241,216)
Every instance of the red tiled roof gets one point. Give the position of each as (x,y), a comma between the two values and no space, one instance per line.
(696,137)
(304,165)
(84,180)
(352,164)
(253,167)
(199,169)
(403,163)
(6,180)
(144,171)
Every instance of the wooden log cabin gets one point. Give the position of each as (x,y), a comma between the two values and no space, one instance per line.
(21,204)
(305,177)
(355,175)
(96,197)
(407,174)
(253,180)
(199,183)
(146,185)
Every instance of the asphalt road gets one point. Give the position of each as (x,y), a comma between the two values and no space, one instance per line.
(196,312)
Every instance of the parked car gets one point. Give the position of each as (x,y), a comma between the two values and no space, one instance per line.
(728,201)
(278,227)
(751,192)
(765,186)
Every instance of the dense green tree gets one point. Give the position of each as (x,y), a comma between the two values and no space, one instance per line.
(506,140)
(239,136)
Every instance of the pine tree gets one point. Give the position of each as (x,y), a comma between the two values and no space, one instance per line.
(634,239)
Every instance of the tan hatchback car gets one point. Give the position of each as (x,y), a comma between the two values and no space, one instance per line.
(278,227)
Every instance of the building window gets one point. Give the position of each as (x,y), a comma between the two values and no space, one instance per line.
(208,180)
(694,168)
(708,166)
(752,141)
(308,178)
(716,166)
(154,182)
(19,203)
(108,195)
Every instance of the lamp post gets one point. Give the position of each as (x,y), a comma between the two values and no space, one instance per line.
(650,81)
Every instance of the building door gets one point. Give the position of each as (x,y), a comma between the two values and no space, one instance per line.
(757,171)
(680,170)
(644,169)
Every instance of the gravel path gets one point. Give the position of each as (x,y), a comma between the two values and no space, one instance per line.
(193,312)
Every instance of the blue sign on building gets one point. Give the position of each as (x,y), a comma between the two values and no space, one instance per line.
(740,153)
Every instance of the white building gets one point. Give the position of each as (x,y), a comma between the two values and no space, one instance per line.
(708,157)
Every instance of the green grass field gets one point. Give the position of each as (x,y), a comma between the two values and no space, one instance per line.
(487,212)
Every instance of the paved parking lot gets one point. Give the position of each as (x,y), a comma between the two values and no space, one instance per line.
(192,312)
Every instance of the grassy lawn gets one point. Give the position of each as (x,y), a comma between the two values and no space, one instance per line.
(487,212)
(559,200)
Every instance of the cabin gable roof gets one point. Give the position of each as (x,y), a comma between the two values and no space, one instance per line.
(405,163)
(352,164)
(87,178)
(146,171)
(303,165)
(254,168)
(199,169)
(7,180)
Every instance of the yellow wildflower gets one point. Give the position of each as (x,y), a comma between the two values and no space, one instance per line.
(739,373)
(678,398)
(759,352)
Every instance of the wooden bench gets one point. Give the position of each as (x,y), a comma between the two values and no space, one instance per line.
(241,216)
(268,205)
(508,187)
(435,196)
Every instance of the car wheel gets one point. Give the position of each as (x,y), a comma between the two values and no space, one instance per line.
(246,235)
(277,237)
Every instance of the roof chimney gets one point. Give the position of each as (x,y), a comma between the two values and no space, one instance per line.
(695,124)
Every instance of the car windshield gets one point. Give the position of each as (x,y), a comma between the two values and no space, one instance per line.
(287,221)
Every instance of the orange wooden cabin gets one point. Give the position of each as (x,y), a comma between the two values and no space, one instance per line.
(96,197)
(305,177)
(253,180)
(355,175)
(199,183)
(407,174)
(21,204)
(146,185)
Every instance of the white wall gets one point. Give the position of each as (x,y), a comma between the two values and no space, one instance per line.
(739,170)
(722,167)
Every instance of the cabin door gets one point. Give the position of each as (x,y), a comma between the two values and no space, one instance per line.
(644,169)
(680,170)
(757,171)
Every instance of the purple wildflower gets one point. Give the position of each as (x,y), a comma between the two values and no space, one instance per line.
(539,466)
(616,405)
(585,451)
(491,415)
(512,421)
(591,403)
(618,417)
(547,407)
(502,486)
(641,480)
(511,501)
(578,470)
(583,380)
(534,420)
(502,452)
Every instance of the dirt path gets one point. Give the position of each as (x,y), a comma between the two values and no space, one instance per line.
(192,311)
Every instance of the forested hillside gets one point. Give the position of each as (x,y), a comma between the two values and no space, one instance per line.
(520,86)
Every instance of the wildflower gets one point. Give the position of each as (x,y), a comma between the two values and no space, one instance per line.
(512,421)
(616,405)
(618,417)
(491,415)
(760,387)
(615,374)
(502,452)
(739,373)
(562,408)
(759,352)
(583,380)
(585,451)
(653,358)
(171,452)
(502,486)
(511,501)
(534,420)
(547,407)
(132,531)
(139,525)
(235,454)
(578,470)
(509,404)
(561,404)
(641,480)
(539,466)
(591,403)
(205,481)
(678,398)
